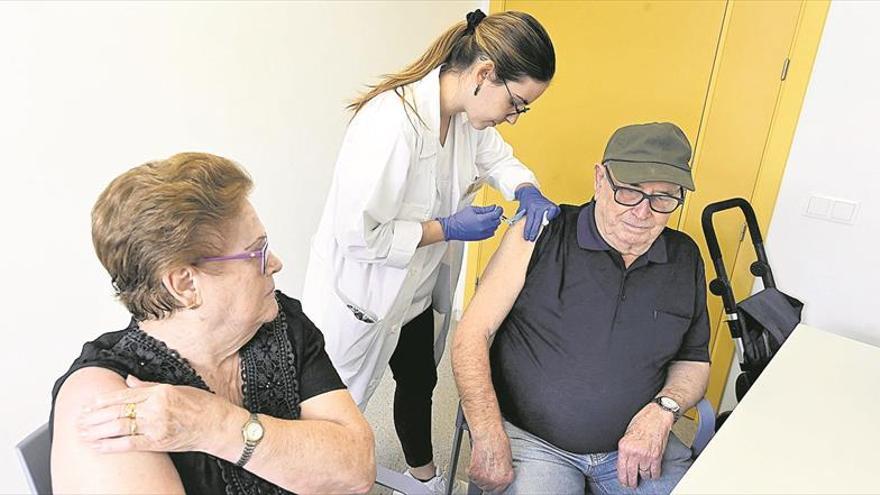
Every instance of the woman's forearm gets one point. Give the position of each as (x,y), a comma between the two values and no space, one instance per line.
(432,233)
(303,456)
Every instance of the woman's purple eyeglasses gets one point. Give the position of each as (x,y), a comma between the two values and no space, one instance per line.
(262,254)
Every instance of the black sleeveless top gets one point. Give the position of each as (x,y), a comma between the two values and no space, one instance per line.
(282,365)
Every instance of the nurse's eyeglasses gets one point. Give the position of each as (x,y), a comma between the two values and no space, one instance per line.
(627,196)
(262,254)
(517,109)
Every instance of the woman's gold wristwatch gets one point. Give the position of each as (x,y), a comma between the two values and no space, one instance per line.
(252,433)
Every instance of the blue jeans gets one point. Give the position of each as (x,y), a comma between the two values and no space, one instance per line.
(540,467)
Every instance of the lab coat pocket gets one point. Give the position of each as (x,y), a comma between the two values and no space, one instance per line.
(470,192)
(356,334)
(359,313)
(467,199)
(474,186)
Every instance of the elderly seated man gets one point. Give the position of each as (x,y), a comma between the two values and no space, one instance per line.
(600,335)
(220,383)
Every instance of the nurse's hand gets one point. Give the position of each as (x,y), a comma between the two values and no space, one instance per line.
(473,223)
(538,210)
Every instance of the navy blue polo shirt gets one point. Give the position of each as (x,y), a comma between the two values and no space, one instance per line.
(588,342)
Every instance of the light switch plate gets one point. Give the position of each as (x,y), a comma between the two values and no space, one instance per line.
(819,207)
(832,209)
(844,211)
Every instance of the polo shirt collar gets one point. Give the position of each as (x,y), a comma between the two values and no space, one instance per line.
(589,238)
(587,232)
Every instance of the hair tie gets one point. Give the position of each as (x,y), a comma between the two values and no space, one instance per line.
(473,19)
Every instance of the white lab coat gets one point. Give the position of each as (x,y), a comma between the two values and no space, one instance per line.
(364,263)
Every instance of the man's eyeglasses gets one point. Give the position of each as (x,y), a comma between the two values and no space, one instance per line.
(627,196)
(262,254)
(517,109)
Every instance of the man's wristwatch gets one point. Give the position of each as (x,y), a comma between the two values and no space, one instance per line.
(252,433)
(669,404)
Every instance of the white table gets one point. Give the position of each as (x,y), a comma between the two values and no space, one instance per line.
(810,424)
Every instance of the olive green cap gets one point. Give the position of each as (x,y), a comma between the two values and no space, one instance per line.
(655,152)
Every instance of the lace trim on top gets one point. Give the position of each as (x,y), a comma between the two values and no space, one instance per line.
(150,353)
(269,383)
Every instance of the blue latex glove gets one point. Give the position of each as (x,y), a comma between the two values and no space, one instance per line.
(473,223)
(539,210)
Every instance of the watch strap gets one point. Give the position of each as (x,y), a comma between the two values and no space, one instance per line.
(676,414)
(249,447)
(246,454)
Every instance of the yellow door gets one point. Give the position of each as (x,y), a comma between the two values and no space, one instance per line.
(713,67)
(753,59)
(617,63)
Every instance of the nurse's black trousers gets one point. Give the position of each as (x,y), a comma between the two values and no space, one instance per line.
(416,376)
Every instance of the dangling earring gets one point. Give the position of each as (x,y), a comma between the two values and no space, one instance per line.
(477,89)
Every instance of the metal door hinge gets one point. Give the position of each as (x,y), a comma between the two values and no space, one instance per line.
(742,234)
(785,68)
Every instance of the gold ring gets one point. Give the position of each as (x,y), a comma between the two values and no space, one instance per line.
(132,427)
(128,411)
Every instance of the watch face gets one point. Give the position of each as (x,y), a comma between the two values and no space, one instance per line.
(668,403)
(253,431)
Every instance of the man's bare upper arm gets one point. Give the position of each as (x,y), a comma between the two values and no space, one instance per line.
(500,283)
(78,468)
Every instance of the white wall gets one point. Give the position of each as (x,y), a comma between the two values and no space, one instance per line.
(832,267)
(88,90)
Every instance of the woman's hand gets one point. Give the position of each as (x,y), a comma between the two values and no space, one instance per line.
(473,223)
(164,418)
(539,210)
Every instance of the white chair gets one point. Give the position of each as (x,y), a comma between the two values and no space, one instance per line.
(33,452)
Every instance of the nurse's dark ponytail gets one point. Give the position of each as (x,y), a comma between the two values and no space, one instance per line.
(514,41)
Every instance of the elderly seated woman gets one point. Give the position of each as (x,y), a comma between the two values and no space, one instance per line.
(219,384)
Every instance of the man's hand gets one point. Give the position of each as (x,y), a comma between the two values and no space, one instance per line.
(491,463)
(640,451)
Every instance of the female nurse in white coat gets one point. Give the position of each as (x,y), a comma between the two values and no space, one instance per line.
(388,250)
